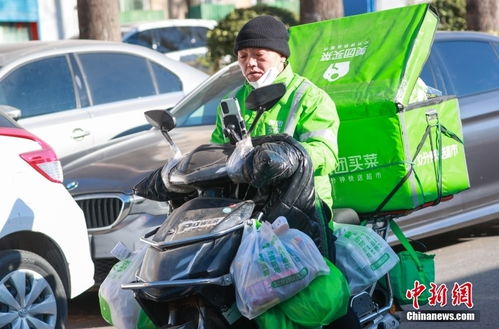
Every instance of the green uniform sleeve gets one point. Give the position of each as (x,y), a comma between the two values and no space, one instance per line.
(317,130)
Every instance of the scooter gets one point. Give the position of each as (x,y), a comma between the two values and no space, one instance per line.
(184,280)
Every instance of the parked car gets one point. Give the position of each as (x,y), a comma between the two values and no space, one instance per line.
(44,251)
(107,175)
(102,184)
(180,39)
(79,93)
(466,64)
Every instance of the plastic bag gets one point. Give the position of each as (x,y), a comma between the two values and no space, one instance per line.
(238,158)
(362,255)
(270,268)
(166,171)
(323,301)
(118,306)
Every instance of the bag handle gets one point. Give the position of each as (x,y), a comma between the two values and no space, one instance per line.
(407,245)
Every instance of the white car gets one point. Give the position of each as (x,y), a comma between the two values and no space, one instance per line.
(76,94)
(44,250)
(180,39)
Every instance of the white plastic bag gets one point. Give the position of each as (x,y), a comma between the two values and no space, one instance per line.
(118,306)
(362,255)
(270,268)
(238,158)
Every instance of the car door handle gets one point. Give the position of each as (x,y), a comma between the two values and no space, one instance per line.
(79,134)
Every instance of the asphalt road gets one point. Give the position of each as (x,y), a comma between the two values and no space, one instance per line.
(84,312)
(468,255)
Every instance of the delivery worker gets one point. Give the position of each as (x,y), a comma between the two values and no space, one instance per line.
(305,112)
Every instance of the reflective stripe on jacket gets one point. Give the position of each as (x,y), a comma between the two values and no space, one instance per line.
(314,124)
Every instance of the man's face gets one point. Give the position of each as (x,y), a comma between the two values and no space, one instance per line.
(254,62)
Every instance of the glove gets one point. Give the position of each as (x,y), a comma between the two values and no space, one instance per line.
(270,163)
(152,187)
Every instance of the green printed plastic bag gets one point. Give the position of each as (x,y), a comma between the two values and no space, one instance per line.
(143,321)
(369,64)
(323,301)
(118,306)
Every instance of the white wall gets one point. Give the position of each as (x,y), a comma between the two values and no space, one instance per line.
(58,19)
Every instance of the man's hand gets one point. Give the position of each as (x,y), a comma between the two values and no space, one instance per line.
(271,163)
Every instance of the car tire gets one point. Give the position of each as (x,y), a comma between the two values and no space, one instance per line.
(32,294)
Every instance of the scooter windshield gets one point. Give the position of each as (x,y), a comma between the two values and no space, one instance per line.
(204,165)
(203,218)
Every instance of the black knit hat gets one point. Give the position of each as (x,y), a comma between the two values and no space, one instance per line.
(263,32)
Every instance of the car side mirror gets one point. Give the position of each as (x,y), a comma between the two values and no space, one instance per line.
(13,112)
(160,119)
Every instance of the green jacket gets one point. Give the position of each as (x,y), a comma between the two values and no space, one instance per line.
(315,126)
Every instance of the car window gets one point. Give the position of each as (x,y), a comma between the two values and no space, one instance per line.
(169,39)
(179,38)
(428,76)
(40,87)
(80,83)
(5,122)
(202,108)
(167,80)
(432,75)
(172,38)
(472,66)
(144,38)
(198,36)
(114,76)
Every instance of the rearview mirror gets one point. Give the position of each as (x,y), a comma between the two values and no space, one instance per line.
(165,122)
(13,112)
(160,119)
(262,99)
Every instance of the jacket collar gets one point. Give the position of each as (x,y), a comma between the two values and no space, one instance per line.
(285,76)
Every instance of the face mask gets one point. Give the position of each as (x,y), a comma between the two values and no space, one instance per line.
(266,79)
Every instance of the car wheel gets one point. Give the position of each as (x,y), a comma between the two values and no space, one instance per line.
(31,292)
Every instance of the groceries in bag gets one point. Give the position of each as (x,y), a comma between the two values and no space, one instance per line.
(324,300)
(362,255)
(118,307)
(269,268)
